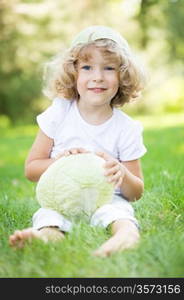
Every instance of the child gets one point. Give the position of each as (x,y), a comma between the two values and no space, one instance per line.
(97,74)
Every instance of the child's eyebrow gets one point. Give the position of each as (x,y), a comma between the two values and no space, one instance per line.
(105,62)
(110,63)
(83,61)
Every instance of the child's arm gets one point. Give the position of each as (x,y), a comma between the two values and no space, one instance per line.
(132,185)
(38,158)
(126,175)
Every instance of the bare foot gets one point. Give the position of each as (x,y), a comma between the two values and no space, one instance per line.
(123,239)
(46,234)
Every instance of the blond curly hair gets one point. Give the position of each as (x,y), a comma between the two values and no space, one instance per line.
(60,75)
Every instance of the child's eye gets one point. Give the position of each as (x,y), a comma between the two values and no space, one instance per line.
(109,68)
(86,67)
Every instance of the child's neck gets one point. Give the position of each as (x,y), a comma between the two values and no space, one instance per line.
(95,115)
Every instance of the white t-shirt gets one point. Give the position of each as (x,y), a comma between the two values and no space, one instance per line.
(120,136)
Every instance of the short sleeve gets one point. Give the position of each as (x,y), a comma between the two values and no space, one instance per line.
(131,144)
(52,117)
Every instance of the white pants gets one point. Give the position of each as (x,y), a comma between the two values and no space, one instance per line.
(118,208)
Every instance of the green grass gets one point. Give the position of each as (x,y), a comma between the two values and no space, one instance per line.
(160,252)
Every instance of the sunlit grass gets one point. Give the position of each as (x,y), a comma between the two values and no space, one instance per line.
(161,121)
(160,212)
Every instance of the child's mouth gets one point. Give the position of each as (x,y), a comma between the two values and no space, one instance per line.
(97,90)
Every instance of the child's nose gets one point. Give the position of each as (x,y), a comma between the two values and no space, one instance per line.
(98,75)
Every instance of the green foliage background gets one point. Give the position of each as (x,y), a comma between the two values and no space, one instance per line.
(31,32)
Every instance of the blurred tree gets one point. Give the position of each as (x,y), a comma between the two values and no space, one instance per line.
(21,37)
(174,12)
(18,82)
(145,20)
(32,31)
(167,16)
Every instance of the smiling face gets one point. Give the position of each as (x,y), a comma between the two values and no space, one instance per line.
(98,77)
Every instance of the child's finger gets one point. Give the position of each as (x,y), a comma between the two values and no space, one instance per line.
(119,183)
(82,150)
(73,151)
(77,150)
(66,152)
(115,178)
(59,155)
(113,164)
(101,154)
(104,155)
(112,170)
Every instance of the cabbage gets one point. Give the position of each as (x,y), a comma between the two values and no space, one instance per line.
(74,185)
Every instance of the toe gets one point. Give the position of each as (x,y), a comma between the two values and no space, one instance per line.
(101,252)
(14,237)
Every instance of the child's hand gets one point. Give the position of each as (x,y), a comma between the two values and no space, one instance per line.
(114,170)
(71,152)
